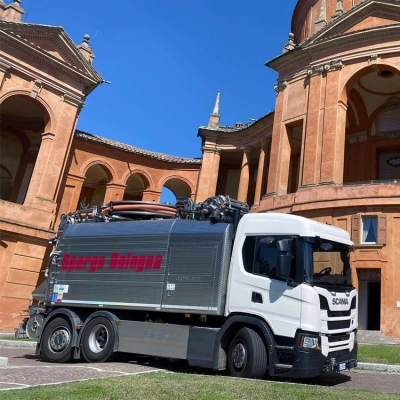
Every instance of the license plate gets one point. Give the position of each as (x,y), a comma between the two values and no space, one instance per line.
(342,366)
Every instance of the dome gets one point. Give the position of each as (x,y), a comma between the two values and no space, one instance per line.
(311,15)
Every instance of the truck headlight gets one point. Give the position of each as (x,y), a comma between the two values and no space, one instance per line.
(310,342)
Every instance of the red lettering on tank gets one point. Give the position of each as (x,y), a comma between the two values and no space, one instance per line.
(121,262)
(65,262)
(157,262)
(133,262)
(140,264)
(113,261)
(116,262)
(79,263)
(149,262)
(101,261)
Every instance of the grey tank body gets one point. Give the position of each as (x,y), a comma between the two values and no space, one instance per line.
(169,265)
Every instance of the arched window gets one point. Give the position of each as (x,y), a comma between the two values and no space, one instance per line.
(388,120)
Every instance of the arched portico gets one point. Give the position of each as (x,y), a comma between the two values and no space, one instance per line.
(23,123)
(372,125)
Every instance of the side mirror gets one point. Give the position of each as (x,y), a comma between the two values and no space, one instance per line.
(284,245)
(283,266)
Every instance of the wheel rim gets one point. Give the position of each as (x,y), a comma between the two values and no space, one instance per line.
(59,339)
(239,355)
(98,338)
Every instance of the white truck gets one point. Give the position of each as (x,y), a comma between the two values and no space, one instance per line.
(210,283)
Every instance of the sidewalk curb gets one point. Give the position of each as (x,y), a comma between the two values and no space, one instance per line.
(16,343)
(378,367)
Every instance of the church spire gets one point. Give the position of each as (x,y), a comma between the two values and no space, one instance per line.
(214,117)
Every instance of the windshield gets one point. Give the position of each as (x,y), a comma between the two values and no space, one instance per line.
(328,263)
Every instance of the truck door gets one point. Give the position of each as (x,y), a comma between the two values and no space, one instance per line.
(261,291)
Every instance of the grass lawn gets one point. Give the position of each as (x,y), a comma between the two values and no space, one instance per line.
(382,354)
(5,337)
(163,386)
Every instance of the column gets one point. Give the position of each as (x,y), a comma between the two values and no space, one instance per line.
(244,175)
(208,175)
(39,172)
(71,195)
(275,173)
(333,139)
(52,158)
(265,145)
(151,195)
(3,70)
(114,192)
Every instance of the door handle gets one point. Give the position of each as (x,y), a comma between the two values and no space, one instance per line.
(257,298)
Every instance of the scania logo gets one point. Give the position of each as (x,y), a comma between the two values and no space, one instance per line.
(340,302)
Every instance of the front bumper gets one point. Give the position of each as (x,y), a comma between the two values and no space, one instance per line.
(310,364)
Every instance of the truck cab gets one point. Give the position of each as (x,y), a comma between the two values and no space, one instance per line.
(294,273)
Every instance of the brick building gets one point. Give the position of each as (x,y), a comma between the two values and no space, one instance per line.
(47,167)
(329,151)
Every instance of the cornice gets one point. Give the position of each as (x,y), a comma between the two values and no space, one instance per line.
(49,38)
(90,138)
(349,20)
(354,38)
(45,80)
(297,56)
(45,58)
(233,132)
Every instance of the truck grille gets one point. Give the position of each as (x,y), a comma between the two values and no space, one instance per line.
(324,305)
(338,338)
(333,325)
(335,314)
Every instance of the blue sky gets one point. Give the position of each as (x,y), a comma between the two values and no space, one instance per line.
(166,60)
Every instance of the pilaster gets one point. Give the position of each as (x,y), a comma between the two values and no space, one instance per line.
(261,172)
(208,176)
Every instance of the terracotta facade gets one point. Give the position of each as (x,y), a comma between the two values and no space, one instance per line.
(47,167)
(329,151)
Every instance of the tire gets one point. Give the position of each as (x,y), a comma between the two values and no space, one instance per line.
(98,340)
(247,357)
(56,341)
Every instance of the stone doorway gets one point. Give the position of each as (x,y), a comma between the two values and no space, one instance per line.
(369,299)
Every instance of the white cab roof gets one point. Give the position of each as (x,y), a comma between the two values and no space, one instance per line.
(288,224)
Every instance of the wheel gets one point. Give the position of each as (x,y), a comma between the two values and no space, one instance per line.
(56,341)
(98,340)
(247,357)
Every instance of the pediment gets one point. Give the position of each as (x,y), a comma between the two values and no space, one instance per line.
(367,15)
(53,45)
(52,41)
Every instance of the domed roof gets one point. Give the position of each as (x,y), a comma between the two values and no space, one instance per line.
(311,15)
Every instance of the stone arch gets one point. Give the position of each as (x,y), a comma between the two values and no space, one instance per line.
(23,120)
(97,175)
(178,185)
(98,161)
(370,92)
(43,103)
(137,181)
(356,76)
